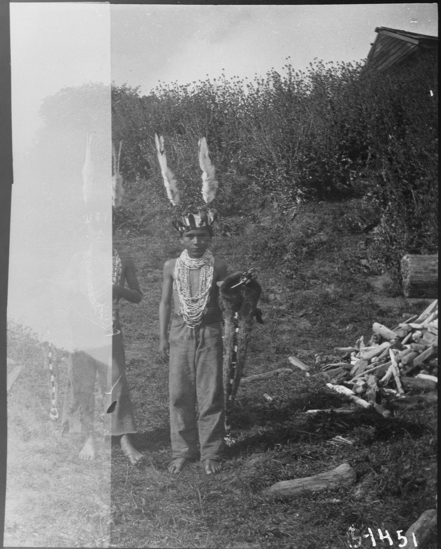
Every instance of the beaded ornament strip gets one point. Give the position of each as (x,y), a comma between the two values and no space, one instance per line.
(192,307)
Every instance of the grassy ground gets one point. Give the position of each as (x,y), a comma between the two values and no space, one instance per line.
(329,304)
(54,500)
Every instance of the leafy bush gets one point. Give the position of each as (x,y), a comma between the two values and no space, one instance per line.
(336,131)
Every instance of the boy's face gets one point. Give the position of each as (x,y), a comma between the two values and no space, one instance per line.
(196,241)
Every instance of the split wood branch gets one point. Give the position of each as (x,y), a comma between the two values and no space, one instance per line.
(428,377)
(345,349)
(396,372)
(418,382)
(369,371)
(344,475)
(426,312)
(406,339)
(368,355)
(426,355)
(330,411)
(388,375)
(297,362)
(350,394)
(385,332)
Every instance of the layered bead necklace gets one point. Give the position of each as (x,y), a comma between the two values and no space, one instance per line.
(192,307)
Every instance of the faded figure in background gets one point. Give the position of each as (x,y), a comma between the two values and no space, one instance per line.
(98,339)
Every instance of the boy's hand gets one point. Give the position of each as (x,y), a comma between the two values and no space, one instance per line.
(164,350)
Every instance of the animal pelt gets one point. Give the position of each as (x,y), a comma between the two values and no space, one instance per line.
(242,300)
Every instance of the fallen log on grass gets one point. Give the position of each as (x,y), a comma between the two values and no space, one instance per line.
(419,533)
(279,371)
(344,475)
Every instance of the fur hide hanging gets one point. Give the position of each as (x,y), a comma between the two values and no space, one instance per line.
(241,300)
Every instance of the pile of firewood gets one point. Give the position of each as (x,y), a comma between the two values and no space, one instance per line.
(391,364)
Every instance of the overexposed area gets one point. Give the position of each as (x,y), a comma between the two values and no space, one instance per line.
(60,52)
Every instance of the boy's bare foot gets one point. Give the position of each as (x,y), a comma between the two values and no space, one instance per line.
(130,451)
(212,467)
(87,452)
(177,465)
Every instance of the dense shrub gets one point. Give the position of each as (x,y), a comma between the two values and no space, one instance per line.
(336,131)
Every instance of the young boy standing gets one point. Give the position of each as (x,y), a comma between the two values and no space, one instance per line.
(194,346)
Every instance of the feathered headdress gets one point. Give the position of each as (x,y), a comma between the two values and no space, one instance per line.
(205,216)
(95,196)
(88,171)
(117,178)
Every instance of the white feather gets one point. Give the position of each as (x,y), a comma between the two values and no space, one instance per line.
(209,183)
(117,179)
(170,183)
(88,170)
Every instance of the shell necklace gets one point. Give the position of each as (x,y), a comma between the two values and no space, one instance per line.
(192,307)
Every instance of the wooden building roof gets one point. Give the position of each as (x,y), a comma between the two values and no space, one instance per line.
(393,46)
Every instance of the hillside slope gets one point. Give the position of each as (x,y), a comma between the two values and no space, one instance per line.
(317,294)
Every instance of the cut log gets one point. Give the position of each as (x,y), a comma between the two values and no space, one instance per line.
(297,362)
(345,349)
(427,377)
(426,355)
(396,373)
(419,533)
(408,358)
(378,350)
(359,367)
(279,371)
(344,475)
(432,317)
(429,338)
(384,331)
(418,347)
(420,275)
(350,394)
(375,369)
(402,330)
(418,383)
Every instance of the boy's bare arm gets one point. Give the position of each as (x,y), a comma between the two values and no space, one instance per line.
(165,308)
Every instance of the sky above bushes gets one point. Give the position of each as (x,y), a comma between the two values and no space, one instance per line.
(55,45)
